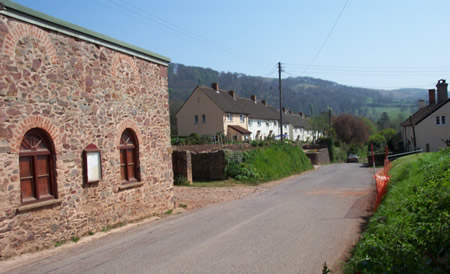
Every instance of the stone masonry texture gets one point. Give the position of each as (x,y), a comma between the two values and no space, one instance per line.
(80,93)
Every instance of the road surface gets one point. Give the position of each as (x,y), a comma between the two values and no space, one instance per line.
(293,228)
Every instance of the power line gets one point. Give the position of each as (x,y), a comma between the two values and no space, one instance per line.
(148,16)
(326,39)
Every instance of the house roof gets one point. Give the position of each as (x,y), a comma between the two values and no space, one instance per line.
(224,100)
(240,129)
(34,17)
(297,121)
(227,103)
(423,113)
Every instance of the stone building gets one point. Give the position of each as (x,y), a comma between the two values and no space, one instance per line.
(84,131)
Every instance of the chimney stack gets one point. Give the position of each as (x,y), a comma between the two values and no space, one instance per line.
(263,102)
(301,114)
(253,97)
(232,93)
(421,104)
(284,110)
(442,93)
(290,111)
(432,96)
(215,86)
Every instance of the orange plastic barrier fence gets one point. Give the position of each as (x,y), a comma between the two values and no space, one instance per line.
(382,180)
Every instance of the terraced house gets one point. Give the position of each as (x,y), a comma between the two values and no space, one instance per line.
(84,131)
(209,111)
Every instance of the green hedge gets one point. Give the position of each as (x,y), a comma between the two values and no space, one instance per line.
(266,164)
(410,233)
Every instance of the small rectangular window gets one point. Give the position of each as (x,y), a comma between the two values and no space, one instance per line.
(443,120)
(229,117)
(267,123)
(203,118)
(242,118)
(438,121)
(196,119)
(259,123)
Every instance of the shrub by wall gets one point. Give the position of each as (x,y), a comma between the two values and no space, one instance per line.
(266,164)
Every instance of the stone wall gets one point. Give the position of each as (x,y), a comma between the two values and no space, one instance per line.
(208,166)
(182,164)
(318,156)
(80,93)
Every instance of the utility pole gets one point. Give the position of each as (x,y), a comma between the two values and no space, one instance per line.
(281,111)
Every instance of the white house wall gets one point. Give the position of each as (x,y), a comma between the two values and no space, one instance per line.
(264,126)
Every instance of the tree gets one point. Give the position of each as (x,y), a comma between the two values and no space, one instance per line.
(350,129)
(370,125)
(383,122)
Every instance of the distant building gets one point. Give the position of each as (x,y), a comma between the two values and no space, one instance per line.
(430,123)
(209,110)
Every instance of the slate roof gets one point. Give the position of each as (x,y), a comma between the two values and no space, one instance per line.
(240,105)
(423,113)
(296,120)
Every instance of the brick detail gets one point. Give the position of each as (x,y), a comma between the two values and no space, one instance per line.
(18,31)
(124,62)
(36,122)
(127,123)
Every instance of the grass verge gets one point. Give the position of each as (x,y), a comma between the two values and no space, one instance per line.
(409,233)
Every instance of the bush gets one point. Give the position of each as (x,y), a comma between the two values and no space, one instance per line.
(266,164)
(410,232)
(378,141)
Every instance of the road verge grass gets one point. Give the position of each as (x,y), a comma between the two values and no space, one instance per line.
(409,233)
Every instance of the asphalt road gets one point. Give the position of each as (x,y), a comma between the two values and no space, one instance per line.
(293,228)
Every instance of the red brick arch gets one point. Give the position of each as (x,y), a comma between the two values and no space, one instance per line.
(127,123)
(22,30)
(119,59)
(36,122)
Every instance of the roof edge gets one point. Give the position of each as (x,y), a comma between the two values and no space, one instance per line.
(34,17)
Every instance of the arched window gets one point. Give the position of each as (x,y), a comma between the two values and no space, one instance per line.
(37,167)
(129,157)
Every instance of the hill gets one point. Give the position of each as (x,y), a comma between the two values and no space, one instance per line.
(300,94)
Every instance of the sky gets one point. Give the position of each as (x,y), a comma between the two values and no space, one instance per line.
(381,44)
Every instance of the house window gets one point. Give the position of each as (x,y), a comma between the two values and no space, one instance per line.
(267,123)
(250,122)
(259,123)
(285,126)
(129,157)
(242,118)
(443,120)
(275,123)
(196,119)
(438,121)
(229,117)
(203,118)
(37,167)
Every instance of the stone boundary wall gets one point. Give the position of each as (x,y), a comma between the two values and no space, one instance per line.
(79,93)
(318,156)
(182,164)
(208,166)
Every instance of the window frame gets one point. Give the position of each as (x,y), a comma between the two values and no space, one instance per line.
(195,119)
(438,120)
(34,176)
(203,118)
(229,117)
(443,120)
(123,150)
(91,149)
(242,118)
